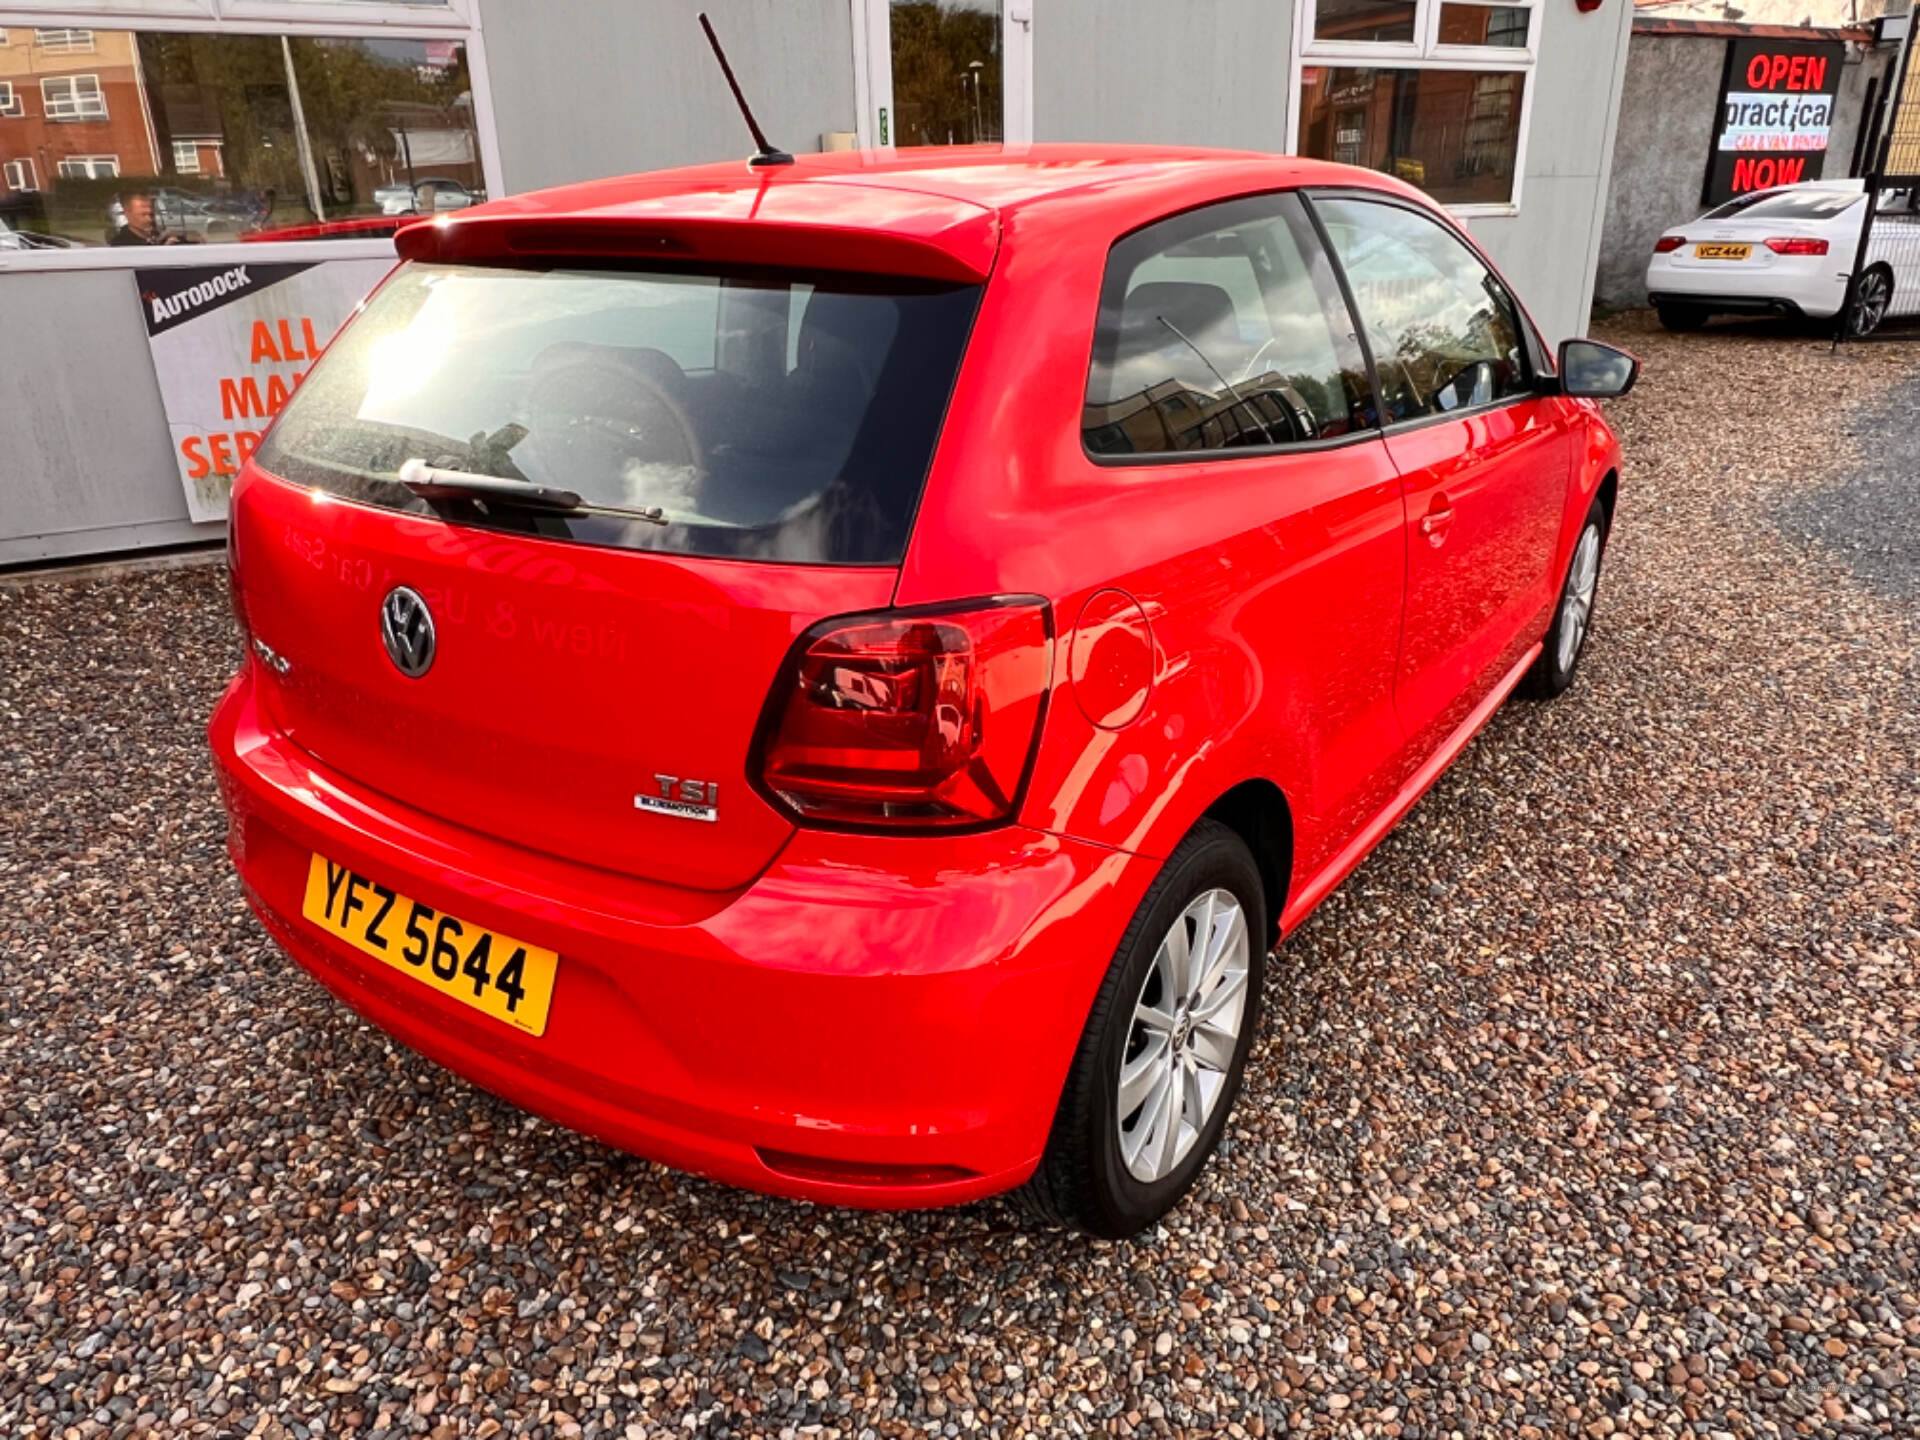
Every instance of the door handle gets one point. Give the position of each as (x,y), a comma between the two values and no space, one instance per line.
(1434,523)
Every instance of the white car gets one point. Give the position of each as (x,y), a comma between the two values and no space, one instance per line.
(1788,251)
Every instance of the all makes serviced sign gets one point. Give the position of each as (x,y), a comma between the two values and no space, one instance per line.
(230,343)
(1776,112)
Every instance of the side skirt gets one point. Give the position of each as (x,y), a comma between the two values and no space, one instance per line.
(1357,849)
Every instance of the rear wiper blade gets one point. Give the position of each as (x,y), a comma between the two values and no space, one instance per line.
(436,482)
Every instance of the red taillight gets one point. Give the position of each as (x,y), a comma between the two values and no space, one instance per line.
(1796,245)
(909,720)
(1667,244)
(234,596)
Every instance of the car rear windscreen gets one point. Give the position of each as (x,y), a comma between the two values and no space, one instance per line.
(1787,205)
(754,415)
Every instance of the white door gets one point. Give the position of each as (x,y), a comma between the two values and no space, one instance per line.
(943,72)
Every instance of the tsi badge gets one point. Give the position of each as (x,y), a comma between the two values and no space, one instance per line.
(687,799)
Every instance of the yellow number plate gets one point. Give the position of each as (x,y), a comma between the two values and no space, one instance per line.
(1722,252)
(507,979)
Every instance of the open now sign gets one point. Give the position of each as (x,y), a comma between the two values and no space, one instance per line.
(1776,113)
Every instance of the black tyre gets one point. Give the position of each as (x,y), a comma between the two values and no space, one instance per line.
(1572,623)
(1681,317)
(1160,1061)
(1872,298)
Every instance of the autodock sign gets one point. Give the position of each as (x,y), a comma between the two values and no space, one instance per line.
(1776,111)
(231,343)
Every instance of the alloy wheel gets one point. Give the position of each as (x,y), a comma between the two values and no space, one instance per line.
(1185,1032)
(1576,606)
(1870,302)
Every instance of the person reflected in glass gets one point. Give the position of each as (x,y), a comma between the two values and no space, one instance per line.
(140,227)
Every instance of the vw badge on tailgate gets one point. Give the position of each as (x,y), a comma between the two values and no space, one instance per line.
(406,628)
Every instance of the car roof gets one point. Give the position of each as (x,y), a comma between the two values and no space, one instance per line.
(994,177)
(954,202)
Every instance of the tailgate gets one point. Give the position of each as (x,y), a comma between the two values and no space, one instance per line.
(595,704)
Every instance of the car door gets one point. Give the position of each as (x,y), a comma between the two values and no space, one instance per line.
(1483,454)
(1229,396)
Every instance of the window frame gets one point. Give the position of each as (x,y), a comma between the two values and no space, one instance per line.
(873,73)
(1237,453)
(1424,52)
(89,161)
(1539,357)
(457,20)
(13,107)
(32,173)
(76,113)
(69,40)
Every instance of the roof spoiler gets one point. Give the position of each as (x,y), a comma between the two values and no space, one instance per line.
(958,246)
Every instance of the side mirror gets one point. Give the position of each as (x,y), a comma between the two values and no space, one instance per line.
(1592,371)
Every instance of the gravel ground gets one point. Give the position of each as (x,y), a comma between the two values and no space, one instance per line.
(1587,1106)
(1868,515)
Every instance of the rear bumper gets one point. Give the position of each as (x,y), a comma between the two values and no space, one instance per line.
(1731,304)
(899,1014)
(1806,286)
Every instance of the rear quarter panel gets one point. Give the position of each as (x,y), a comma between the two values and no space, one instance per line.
(1242,685)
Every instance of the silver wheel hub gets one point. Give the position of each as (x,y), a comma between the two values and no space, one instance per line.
(1184,1036)
(1576,604)
(1870,303)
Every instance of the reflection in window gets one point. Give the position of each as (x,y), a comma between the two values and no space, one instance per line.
(1502,26)
(946,72)
(90,167)
(64,42)
(1454,133)
(778,416)
(221,137)
(1380,20)
(1445,335)
(73,97)
(1222,329)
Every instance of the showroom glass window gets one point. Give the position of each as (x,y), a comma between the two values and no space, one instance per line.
(212,122)
(1432,91)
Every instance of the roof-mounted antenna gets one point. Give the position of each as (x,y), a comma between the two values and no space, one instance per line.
(767,154)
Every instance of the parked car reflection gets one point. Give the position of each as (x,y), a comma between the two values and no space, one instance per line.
(425,197)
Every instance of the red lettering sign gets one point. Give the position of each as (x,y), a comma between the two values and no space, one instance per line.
(1767,171)
(1787,72)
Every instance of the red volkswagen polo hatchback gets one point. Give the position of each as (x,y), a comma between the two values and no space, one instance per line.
(835,676)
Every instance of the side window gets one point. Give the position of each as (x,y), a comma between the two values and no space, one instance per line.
(1444,332)
(1220,329)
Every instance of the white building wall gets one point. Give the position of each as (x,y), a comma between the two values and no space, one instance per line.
(605,87)
(1549,250)
(1167,72)
(86,466)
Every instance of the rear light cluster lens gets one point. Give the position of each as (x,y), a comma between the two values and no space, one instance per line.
(234,595)
(1667,244)
(1796,245)
(911,721)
